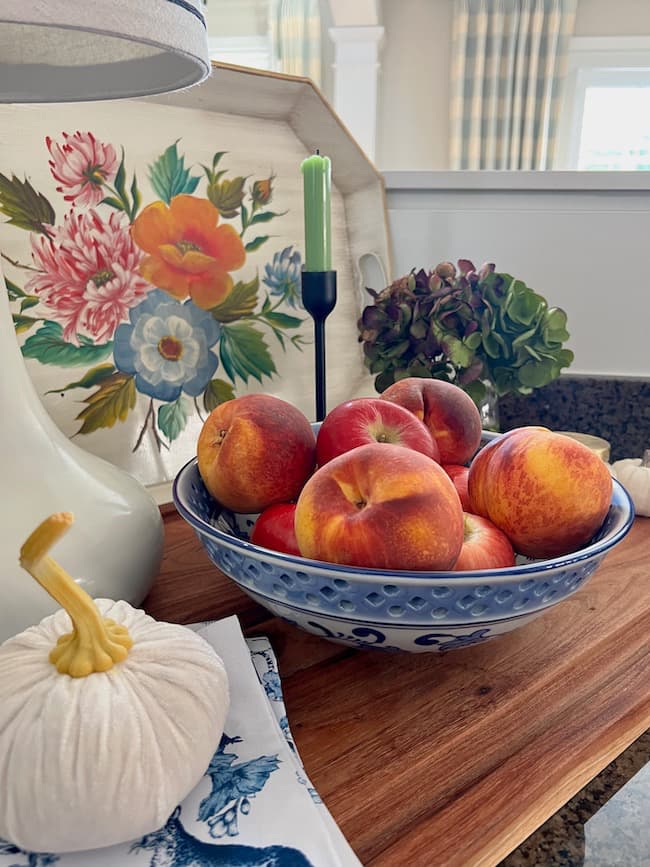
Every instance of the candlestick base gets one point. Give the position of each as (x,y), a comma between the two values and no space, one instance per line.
(319,292)
(319,299)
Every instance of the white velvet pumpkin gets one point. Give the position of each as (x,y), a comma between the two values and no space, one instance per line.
(90,761)
(634,475)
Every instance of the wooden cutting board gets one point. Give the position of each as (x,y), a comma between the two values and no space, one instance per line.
(450,760)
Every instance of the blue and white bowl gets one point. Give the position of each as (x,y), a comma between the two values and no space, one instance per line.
(414,611)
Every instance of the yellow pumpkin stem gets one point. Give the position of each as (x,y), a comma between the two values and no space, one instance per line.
(95,643)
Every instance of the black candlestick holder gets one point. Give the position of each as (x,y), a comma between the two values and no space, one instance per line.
(319,299)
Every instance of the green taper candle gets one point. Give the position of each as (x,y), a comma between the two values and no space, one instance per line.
(317,184)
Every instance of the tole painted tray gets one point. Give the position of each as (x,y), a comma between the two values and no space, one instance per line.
(152,251)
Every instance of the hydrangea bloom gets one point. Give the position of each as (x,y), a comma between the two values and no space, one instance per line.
(88,275)
(82,165)
(283,276)
(166,346)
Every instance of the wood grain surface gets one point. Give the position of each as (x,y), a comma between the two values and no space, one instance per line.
(450,760)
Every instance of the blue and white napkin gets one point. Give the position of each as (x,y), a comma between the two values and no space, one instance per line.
(255,805)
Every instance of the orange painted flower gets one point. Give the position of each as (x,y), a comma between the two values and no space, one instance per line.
(189,255)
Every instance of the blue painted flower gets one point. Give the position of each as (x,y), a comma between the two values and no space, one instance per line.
(167,347)
(283,276)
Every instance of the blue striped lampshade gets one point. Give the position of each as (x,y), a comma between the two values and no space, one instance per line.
(69,50)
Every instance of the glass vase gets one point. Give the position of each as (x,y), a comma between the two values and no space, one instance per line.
(114,548)
(489,407)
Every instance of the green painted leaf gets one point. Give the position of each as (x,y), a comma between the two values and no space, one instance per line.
(227,196)
(240,303)
(169,177)
(13,290)
(283,320)
(92,377)
(256,243)
(244,353)
(136,198)
(111,402)
(217,391)
(49,347)
(25,208)
(212,176)
(120,179)
(217,158)
(27,302)
(24,323)
(265,216)
(113,203)
(172,418)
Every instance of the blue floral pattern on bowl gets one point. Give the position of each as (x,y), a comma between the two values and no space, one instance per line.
(414,611)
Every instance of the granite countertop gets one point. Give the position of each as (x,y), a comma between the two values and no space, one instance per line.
(614,408)
(606,824)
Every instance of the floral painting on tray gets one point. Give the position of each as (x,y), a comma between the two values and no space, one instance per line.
(153,289)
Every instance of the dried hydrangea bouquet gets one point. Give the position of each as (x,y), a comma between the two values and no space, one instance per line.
(486,331)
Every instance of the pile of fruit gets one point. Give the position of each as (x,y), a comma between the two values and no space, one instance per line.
(398,481)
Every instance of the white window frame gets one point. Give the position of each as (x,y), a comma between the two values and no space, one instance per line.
(596,60)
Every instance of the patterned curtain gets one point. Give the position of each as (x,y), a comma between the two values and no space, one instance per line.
(296,34)
(509,60)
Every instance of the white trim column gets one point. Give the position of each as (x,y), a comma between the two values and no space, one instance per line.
(356,70)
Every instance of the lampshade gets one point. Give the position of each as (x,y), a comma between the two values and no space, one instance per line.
(70,50)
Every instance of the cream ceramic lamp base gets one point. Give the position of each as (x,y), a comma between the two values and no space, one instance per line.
(116,547)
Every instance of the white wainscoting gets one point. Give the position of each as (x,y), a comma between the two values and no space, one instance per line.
(580,239)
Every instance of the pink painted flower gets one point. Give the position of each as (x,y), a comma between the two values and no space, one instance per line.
(88,275)
(82,165)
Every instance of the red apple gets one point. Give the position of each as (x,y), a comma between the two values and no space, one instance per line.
(254,451)
(458,473)
(449,412)
(366,420)
(484,546)
(381,506)
(547,492)
(274,529)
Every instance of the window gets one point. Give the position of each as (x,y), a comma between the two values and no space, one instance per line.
(280,35)
(605,119)
(239,31)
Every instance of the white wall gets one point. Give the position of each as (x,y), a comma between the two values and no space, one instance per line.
(609,18)
(413,117)
(572,236)
(413,126)
(358,13)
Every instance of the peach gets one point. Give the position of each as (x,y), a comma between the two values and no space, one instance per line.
(381,506)
(449,412)
(485,546)
(364,420)
(254,451)
(458,473)
(547,492)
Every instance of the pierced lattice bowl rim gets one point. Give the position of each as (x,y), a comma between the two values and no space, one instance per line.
(615,527)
